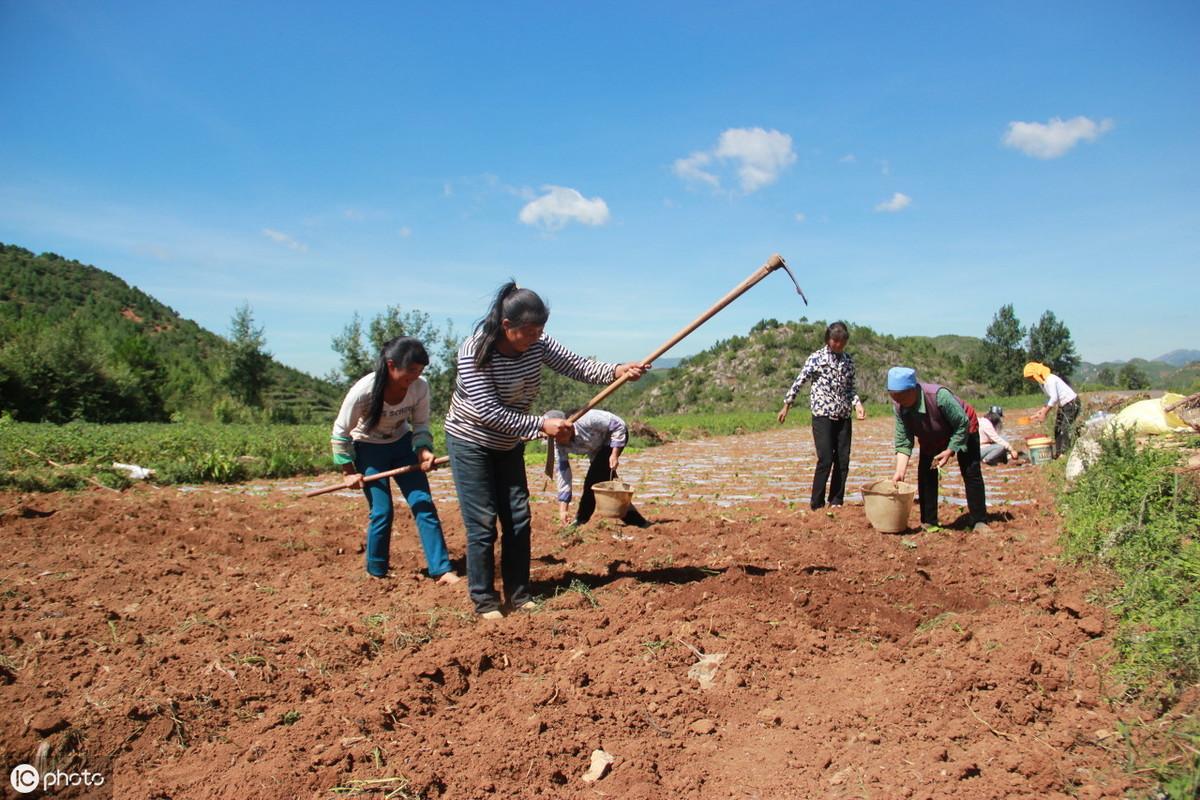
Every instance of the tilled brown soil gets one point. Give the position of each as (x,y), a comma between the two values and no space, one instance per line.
(227,643)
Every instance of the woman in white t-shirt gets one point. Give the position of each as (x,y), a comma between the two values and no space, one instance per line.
(384,424)
(1059,395)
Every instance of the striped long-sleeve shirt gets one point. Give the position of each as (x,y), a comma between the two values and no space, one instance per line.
(490,406)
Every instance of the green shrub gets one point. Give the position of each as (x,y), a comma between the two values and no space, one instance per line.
(1134,512)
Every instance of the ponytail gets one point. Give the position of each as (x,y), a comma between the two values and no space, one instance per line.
(403,352)
(519,307)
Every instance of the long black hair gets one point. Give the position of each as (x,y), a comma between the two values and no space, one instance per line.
(403,352)
(518,306)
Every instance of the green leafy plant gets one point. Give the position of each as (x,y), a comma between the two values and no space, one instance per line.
(580,588)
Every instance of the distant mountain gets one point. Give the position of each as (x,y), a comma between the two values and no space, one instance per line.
(1180,358)
(77,342)
(1161,374)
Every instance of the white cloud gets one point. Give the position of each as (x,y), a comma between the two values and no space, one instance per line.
(689,169)
(849,158)
(762,155)
(561,205)
(1054,138)
(898,202)
(285,240)
(885,167)
(801,216)
(405,231)
(759,157)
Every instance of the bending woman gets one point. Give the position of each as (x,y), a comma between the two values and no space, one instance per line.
(601,436)
(372,434)
(946,427)
(499,375)
(1059,395)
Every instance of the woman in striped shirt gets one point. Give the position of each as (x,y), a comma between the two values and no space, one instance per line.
(499,375)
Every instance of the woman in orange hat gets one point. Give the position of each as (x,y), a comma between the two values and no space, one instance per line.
(1059,395)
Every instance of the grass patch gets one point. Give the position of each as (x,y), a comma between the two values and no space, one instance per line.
(1136,514)
(580,588)
(935,622)
(183,452)
(395,787)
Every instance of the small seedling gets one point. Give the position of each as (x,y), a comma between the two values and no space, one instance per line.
(657,646)
(934,622)
(391,788)
(251,660)
(580,588)
(290,717)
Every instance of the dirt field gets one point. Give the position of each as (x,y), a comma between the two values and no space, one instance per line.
(227,643)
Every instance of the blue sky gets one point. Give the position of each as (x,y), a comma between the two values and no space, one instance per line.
(918,165)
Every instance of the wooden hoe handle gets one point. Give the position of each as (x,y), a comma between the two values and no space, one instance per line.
(773,263)
(441,461)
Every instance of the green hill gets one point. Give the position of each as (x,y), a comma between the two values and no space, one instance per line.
(77,342)
(752,373)
(1161,374)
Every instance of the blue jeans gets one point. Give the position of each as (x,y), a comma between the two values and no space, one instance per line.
(372,458)
(993,454)
(492,486)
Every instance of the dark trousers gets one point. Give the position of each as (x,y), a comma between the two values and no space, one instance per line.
(1064,427)
(832,440)
(492,486)
(972,473)
(599,471)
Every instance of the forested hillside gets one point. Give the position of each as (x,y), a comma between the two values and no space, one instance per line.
(1156,374)
(77,342)
(752,373)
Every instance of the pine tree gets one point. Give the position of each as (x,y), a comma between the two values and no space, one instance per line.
(1050,343)
(246,376)
(1132,377)
(1000,359)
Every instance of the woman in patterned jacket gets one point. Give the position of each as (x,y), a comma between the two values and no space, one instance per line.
(832,373)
